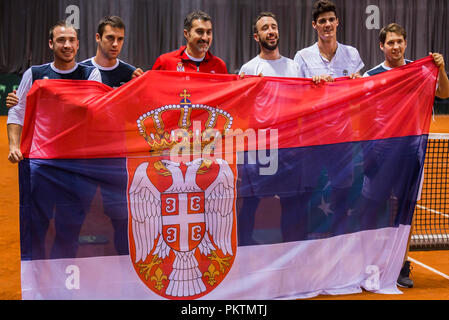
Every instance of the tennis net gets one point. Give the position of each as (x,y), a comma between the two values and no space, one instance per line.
(431,224)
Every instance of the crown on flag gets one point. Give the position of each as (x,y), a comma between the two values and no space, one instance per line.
(152,127)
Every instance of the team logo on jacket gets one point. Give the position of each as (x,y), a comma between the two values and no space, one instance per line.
(182,217)
(180,67)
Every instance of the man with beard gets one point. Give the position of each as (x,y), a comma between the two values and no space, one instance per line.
(254,186)
(65,44)
(195,55)
(328,59)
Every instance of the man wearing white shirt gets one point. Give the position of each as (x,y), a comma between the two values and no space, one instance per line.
(65,44)
(326,60)
(269,62)
(393,42)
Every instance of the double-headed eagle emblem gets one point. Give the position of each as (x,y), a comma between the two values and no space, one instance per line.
(183,235)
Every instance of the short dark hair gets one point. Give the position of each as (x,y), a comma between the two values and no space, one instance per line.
(61,23)
(113,21)
(392,27)
(323,6)
(195,15)
(260,16)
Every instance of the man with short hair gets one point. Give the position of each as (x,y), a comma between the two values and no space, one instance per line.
(328,59)
(114,72)
(110,38)
(393,42)
(52,186)
(64,43)
(195,56)
(269,62)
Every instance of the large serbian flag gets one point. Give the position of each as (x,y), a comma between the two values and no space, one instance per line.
(186,185)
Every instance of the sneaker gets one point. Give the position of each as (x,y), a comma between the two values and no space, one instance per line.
(404,280)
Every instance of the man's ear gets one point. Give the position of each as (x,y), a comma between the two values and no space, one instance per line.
(256,36)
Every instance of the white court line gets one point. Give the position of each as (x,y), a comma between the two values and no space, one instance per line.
(433,211)
(429,268)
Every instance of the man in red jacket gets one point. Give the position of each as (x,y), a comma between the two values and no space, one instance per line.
(195,55)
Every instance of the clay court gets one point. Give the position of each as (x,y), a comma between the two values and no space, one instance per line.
(430,271)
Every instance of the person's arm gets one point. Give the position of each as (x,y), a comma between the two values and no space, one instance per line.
(222,69)
(16,115)
(359,65)
(443,81)
(14,133)
(158,64)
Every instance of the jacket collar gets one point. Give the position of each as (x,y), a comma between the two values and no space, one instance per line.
(182,54)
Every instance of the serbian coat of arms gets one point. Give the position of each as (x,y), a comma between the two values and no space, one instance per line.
(182,216)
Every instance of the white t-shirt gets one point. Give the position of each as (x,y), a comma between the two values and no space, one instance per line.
(345,62)
(282,67)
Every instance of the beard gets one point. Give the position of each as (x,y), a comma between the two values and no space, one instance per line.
(268,46)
